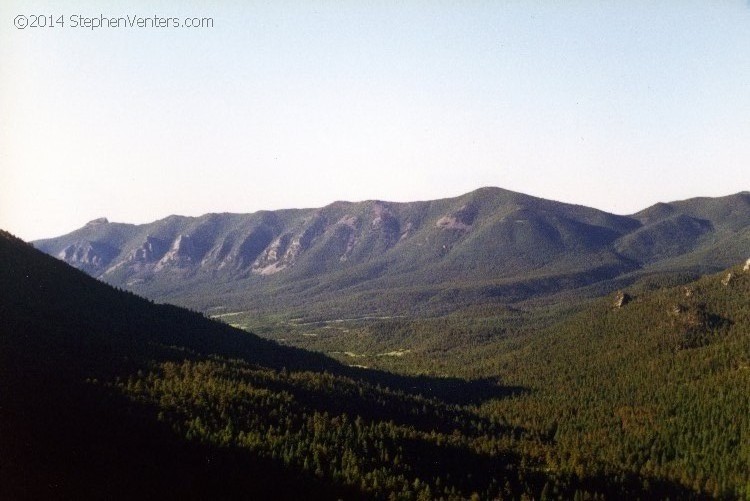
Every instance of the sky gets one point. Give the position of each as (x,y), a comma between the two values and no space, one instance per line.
(614,105)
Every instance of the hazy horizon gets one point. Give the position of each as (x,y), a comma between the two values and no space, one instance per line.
(299,104)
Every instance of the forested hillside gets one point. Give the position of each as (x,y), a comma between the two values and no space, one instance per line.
(107,395)
(656,388)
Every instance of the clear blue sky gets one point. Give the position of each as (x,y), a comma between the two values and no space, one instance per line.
(615,105)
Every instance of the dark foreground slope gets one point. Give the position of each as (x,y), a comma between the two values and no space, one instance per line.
(64,434)
(488,246)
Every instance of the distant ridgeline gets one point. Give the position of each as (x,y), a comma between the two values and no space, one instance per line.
(490,246)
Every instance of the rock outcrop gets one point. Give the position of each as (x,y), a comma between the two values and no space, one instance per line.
(87,255)
(462,219)
(98,221)
(150,251)
(181,253)
(621,299)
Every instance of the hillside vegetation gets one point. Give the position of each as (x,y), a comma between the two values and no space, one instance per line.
(107,395)
(658,388)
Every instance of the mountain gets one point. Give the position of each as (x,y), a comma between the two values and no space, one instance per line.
(487,246)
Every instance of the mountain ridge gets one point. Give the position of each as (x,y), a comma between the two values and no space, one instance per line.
(487,234)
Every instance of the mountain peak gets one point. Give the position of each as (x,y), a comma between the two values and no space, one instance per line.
(98,221)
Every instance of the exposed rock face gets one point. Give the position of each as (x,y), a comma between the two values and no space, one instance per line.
(349,225)
(88,255)
(151,250)
(144,256)
(727,279)
(282,253)
(218,255)
(462,219)
(349,221)
(270,260)
(621,299)
(81,253)
(96,222)
(182,253)
(747,266)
